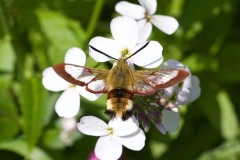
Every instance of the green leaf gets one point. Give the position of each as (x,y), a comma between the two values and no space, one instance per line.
(195,11)
(33,106)
(229,65)
(7,57)
(197,62)
(20,147)
(6,81)
(59,33)
(58,139)
(51,139)
(9,122)
(228,117)
(229,150)
(157,148)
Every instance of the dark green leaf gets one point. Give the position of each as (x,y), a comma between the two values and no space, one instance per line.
(229,65)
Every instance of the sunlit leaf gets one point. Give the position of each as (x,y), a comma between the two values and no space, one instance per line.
(157,148)
(198,62)
(228,117)
(227,151)
(7,56)
(60,34)
(20,147)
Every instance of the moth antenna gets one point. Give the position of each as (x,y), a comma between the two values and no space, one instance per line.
(95,49)
(145,45)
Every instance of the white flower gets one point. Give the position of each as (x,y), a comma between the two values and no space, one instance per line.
(185,93)
(68,104)
(113,135)
(124,43)
(69,126)
(170,120)
(145,15)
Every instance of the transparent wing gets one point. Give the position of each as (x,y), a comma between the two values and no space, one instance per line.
(93,79)
(147,82)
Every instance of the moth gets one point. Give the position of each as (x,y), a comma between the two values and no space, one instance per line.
(121,82)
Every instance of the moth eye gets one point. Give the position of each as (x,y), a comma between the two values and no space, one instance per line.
(110,113)
(127,114)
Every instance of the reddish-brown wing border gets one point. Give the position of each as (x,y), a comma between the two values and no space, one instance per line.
(147,82)
(97,74)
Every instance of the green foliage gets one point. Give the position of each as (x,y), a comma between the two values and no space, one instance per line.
(9,124)
(33,106)
(36,34)
(19,146)
(228,67)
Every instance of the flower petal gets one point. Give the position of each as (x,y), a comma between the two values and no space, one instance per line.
(105,45)
(170,120)
(135,141)
(150,56)
(149,5)
(124,128)
(187,83)
(92,156)
(169,92)
(68,104)
(166,24)
(52,81)
(144,120)
(195,90)
(108,148)
(93,126)
(75,56)
(145,29)
(183,96)
(86,94)
(124,31)
(172,63)
(161,127)
(131,10)
(68,124)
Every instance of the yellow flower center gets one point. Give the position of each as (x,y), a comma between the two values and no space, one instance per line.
(125,53)
(110,131)
(148,17)
(72,86)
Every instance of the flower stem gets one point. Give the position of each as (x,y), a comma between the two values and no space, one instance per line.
(94,18)
(3,23)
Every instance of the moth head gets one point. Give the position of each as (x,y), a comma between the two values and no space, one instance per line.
(125,53)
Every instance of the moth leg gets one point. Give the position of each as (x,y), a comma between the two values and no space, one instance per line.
(110,113)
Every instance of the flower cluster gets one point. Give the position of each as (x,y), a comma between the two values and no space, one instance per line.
(130,32)
(181,94)
(68,104)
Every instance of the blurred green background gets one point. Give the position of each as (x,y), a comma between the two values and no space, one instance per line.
(35,34)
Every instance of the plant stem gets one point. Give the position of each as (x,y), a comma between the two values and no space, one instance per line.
(94,18)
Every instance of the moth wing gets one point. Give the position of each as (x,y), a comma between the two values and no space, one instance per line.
(93,79)
(147,82)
